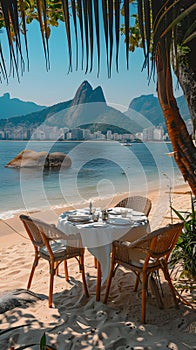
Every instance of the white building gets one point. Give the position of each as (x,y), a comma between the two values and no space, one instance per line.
(109,135)
(158,134)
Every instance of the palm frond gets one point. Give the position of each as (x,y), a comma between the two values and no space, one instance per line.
(79,7)
(179,18)
(41,10)
(126,10)
(110,25)
(86,31)
(67,25)
(96,12)
(158,21)
(73,5)
(105,22)
(117,28)
(91,31)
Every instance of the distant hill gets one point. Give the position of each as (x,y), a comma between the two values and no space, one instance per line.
(88,106)
(12,107)
(148,106)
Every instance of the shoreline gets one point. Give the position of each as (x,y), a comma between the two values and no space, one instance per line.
(11,228)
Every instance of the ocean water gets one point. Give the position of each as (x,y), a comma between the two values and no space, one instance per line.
(99,170)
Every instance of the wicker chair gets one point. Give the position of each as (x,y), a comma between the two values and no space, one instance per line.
(144,256)
(49,245)
(138,203)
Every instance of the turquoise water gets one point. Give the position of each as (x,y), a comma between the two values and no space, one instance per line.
(99,170)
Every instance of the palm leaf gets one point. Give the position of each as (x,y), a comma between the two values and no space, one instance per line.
(85,13)
(189,38)
(179,18)
(147,15)
(105,22)
(141,25)
(96,12)
(8,18)
(67,25)
(110,16)
(117,31)
(41,8)
(79,6)
(178,213)
(2,65)
(90,18)
(126,9)
(73,5)
(22,12)
(190,30)
(155,17)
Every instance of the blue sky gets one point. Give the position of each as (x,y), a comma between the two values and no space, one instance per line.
(48,88)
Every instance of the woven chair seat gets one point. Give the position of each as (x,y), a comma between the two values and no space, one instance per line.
(60,251)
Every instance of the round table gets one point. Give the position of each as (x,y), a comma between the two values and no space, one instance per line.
(122,224)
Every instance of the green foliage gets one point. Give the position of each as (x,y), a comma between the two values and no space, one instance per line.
(185,249)
(104,127)
(43,345)
(183,53)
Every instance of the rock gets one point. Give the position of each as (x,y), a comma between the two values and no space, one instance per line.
(32,159)
(86,94)
(56,160)
(16,298)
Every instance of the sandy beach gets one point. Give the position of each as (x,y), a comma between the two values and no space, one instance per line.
(77,322)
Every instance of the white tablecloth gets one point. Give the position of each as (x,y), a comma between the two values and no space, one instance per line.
(97,237)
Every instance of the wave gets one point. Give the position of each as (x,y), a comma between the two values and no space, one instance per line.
(9,214)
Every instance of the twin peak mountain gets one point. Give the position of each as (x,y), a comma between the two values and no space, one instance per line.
(89,107)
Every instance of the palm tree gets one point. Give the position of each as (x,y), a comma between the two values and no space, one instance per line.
(167,30)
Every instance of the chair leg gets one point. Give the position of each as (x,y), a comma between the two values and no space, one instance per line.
(98,285)
(136,283)
(52,273)
(83,276)
(144,288)
(66,270)
(35,263)
(109,282)
(95,262)
(56,268)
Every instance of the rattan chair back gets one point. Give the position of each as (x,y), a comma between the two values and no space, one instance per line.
(138,203)
(144,256)
(54,246)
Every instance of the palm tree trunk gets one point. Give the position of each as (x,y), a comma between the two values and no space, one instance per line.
(187,78)
(183,147)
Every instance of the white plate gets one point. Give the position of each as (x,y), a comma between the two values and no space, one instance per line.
(139,218)
(114,211)
(119,221)
(99,224)
(78,218)
(137,213)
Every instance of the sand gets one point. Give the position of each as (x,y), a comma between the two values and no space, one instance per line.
(77,322)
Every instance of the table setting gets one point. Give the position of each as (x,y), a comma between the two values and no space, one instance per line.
(99,228)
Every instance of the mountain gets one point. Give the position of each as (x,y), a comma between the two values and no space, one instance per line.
(149,107)
(87,106)
(12,107)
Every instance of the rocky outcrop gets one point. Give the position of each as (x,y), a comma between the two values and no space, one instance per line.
(32,159)
(86,94)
